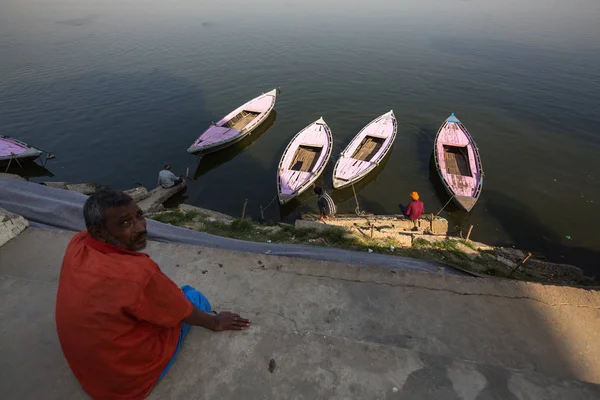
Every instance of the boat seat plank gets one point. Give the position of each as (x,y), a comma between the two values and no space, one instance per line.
(368,148)
(241,120)
(305,158)
(457,160)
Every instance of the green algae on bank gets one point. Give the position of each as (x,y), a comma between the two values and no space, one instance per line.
(469,256)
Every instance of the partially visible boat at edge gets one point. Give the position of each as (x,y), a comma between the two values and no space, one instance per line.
(458,162)
(236,125)
(303,160)
(364,153)
(16,152)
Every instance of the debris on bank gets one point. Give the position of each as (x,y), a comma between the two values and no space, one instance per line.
(426,238)
(391,235)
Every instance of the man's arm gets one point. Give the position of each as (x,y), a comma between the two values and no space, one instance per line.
(321,205)
(172,175)
(409,209)
(217,322)
(162,303)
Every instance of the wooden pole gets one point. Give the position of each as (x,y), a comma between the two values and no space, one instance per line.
(519,264)
(372,228)
(431,226)
(359,230)
(244,209)
(187,172)
(469,233)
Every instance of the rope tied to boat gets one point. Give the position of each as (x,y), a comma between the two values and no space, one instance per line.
(12,156)
(442,209)
(357,209)
(262,210)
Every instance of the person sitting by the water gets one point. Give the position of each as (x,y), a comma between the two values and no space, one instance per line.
(415,208)
(120,319)
(325,203)
(167,179)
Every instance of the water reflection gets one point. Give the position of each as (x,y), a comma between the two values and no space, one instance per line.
(211,161)
(29,171)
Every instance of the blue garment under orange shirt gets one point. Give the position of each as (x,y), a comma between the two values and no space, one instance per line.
(118,318)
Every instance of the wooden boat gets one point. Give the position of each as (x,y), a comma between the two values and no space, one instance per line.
(303,160)
(458,163)
(15,152)
(365,151)
(236,125)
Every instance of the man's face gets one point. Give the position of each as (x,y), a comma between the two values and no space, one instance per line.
(125,227)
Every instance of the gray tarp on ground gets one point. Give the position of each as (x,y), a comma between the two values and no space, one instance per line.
(63,209)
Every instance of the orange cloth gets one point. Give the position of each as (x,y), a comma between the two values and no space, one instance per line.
(118,318)
(414,196)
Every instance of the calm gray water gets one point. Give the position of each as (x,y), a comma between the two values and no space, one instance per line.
(115,89)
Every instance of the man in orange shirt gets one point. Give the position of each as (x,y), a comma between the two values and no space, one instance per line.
(120,320)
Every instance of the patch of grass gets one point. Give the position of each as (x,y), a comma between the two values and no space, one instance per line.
(241,225)
(304,233)
(176,217)
(336,237)
(446,252)
(449,245)
(469,245)
(494,272)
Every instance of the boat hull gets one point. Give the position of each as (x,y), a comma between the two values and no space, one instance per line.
(200,151)
(303,161)
(236,125)
(365,151)
(458,163)
(16,152)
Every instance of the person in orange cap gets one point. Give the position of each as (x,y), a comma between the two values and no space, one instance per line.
(415,208)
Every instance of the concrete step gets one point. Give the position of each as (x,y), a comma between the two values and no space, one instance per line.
(333,330)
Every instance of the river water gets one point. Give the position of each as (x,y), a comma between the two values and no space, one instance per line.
(116,89)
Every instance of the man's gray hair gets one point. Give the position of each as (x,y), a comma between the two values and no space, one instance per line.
(94,209)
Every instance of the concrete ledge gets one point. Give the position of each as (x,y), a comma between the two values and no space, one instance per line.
(10,176)
(205,211)
(154,202)
(333,331)
(138,194)
(11,225)
(83,188)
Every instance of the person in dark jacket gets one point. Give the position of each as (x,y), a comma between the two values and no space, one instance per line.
(415,208)
(325,203)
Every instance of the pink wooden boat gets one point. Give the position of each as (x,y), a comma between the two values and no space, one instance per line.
(15,152)
(458,163)
(365,151)
(236,125)
(303,160)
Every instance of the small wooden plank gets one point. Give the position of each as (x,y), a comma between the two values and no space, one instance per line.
(368,148)
(241,120)
(457,162)
(305,158)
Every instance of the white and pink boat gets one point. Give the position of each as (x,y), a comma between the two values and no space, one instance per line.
(304,160)
(15,152)
(364,153)
(236,125)
(458,163)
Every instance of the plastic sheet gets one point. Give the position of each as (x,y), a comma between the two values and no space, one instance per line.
(58,208)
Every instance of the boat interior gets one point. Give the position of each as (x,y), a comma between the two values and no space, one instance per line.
(368,148)
(457,160)
(305,158)
(241,120)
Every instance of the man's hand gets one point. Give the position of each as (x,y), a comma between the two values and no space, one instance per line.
(226,320)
